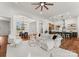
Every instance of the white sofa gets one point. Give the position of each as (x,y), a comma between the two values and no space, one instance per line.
(58,41)
(59,52)
(23,50)
(26,51)
(48,43)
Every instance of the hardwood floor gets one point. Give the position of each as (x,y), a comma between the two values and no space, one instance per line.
(3,46)
(71,45)
(68,44)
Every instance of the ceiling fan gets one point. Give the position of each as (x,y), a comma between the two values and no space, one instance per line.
(43,5)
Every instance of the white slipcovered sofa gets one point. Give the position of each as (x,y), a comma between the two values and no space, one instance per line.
(46,42)
(59,52)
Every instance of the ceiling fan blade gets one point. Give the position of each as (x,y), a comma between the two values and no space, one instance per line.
(46,7)
(49,4)
(35,3)
(41,8)
(37,7)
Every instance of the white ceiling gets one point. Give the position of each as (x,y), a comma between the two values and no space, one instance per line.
(59,8)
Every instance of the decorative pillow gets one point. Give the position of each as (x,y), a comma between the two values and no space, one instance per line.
(54,37)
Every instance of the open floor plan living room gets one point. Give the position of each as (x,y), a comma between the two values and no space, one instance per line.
(39,29)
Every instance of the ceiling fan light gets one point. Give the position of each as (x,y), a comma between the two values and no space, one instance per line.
(42,4)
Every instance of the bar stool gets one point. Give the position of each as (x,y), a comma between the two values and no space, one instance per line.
(67,35)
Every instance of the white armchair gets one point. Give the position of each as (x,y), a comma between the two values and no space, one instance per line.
(58,40)
(46,42)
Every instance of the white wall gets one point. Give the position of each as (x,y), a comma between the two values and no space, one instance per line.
(45,25)
(71,21)
(78,26)
(32,27)
(4,27)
